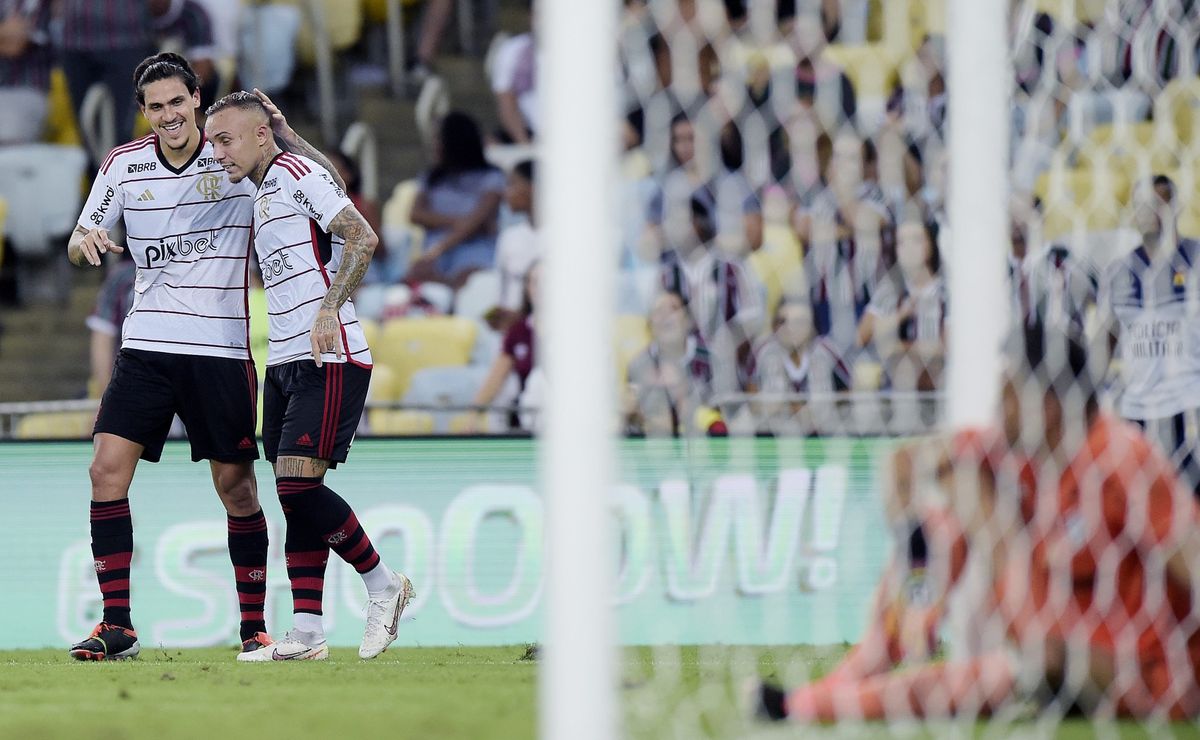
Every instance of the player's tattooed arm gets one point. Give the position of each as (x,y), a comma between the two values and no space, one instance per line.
(356,258)
(294,141)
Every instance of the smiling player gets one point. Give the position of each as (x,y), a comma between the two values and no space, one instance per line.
(313,247)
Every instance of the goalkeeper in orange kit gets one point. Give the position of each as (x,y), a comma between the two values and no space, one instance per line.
(1085,537)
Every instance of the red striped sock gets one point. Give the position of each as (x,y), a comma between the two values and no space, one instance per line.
(248,553)
(327,513)
(112,551)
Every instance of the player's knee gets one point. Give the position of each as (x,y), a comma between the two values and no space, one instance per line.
(238,492)
(109,480)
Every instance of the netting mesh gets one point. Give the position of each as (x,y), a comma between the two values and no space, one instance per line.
(784,250)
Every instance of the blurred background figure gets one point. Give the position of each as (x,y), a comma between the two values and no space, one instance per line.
(104,42)
(457,206)
(25,60)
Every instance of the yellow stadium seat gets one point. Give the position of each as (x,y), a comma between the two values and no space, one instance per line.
(1088,199)
(872,68)
(61,127)
(632,336)
(385,385)
(409,345)
(56,425)
(397,211)
(343,20)
(399,422)
(1178,108)
(370,331)
(468,423)
(763,266)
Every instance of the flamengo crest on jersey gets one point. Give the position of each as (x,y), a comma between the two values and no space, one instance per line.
(299,257)
(188,230)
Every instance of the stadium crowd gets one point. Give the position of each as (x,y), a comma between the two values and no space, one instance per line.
(782,188)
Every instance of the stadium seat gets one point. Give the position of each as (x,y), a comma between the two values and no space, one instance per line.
(872,69)
(450,387)
(56,425)
(370,331)
(343,24)
(385,386)
(433,103)
(409,345)
(399,233)
(480,295)
(61,127)
(41,184)
(1092,198)
(1177,106)
(632,336)
(399,422)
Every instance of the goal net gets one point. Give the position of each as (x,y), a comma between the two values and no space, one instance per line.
(803,536)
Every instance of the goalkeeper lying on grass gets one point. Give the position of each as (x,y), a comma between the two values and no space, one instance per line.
(1082,536)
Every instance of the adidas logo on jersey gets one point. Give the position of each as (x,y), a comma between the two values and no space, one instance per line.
(245,444)
(304,441)
(146,196)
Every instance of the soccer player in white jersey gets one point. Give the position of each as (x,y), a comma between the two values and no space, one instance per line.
(313,247)
(185,347)
(1151,300)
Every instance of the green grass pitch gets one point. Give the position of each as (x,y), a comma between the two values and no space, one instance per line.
(445,693)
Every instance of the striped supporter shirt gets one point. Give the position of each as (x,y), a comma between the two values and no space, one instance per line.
(105,25)
(31,68)
(188,231)
(299,257)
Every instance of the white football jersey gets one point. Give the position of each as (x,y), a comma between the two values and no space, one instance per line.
(1156,303)
(299,258)
(188,231)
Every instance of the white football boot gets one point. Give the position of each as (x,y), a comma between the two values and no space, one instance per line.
(383,617)
(295,645)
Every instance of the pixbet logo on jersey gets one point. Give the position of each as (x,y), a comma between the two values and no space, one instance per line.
(182,245)
(274,266)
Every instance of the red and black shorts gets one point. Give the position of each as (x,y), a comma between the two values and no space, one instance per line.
(311,411)
(215,397)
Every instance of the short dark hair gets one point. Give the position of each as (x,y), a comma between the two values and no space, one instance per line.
(1162,181)
(525,169)
(1058,360)
(239,99)
(163,66)
(932,231)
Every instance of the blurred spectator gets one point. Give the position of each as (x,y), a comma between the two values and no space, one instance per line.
(514,82)
(905,323)
(1048,285)
(185,27)
(723,298)
(348,170)
(457,206)
(637,191)
(25,58)
(112,305)
(822,88)
(792,360)
(517,248)
(435,17)
(671,380)
(733,199)
(104,42)
(517,356)
(681,177)
(849,232)
(267,43)
(917,105)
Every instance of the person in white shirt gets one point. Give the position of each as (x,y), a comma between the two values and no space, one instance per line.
(184,341)
(313,248)
(1150,303)
(517,247)
(514,82)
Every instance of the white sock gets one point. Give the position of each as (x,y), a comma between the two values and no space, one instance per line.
(378,581)
(310,623)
